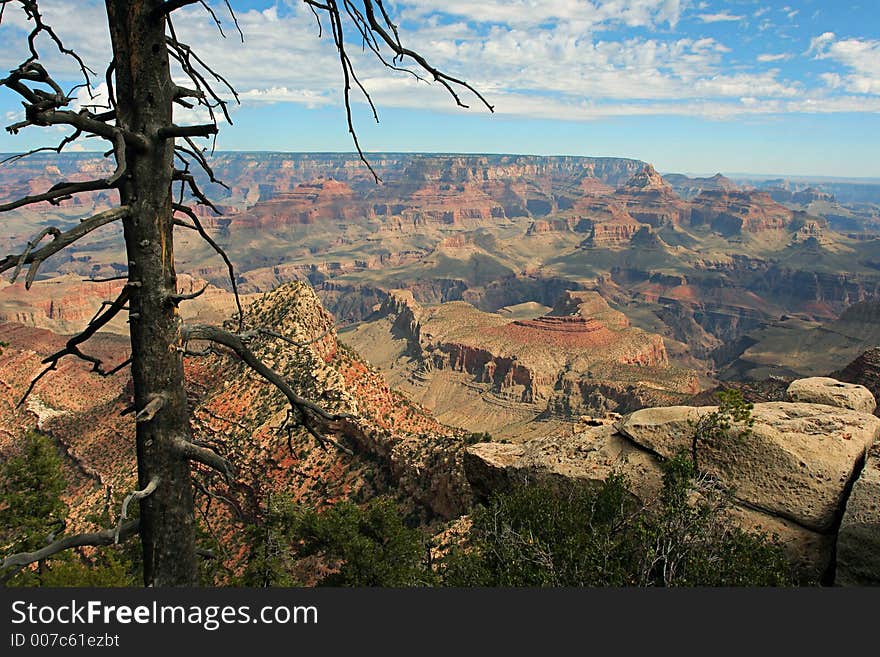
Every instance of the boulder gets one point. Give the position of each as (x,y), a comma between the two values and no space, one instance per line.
(591,453)
(587,455)
(824,390)
(864,370)
(858,541)
(491,467)
(809,552)
(795,462)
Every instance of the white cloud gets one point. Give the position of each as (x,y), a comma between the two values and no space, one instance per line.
(307,97)
(532,13)
(861,58)
(819,43)
(774,57)
(549,59)
(833,80)
(720,17)
(96,99)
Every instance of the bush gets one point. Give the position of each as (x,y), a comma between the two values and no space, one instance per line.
(365,546)
(343,545)
(32,514)
(551,535)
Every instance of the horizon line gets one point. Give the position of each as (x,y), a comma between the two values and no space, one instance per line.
(736,174)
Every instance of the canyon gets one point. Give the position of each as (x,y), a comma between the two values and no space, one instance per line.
(805,472)
(518,301)
(725,278)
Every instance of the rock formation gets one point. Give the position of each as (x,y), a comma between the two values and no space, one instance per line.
(825,390)
(564,357)
(790,476)
(864,370)
(858,541)
(735,212)
(688,188)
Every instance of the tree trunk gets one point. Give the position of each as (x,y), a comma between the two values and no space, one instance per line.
(144,94)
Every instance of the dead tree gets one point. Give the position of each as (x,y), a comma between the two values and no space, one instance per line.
(152,154)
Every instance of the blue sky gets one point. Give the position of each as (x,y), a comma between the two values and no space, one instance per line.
(695,86)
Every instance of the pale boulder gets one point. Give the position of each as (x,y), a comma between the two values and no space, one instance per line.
(809,552)
(824,390)
(587,456)
(795,462)
(858,541)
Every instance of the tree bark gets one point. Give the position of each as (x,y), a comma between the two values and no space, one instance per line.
(144,93)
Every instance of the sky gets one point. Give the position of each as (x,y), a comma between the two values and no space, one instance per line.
(692,86)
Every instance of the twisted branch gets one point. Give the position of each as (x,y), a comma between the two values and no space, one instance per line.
(61,240)
(308,410)
(109,536)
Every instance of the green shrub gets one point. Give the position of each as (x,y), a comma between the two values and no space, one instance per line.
(32,514)
(365,546)
(565,535)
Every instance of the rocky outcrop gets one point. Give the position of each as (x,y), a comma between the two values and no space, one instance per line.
(616,232)
(797,474)
(736,212)
(795,462)
(646,180)
(587,455)
(649,199)
(594,449)
(825,390)
(800,197)
(858,541)
(864,370)
(688,188)
(526,360)
(407,446)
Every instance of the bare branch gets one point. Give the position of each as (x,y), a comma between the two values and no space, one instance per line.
(171,5)
(393,42)
(32,11)
(199,155)
(61,241)
(190,450)
(377,32)
(183,92)
(148,412)
(135,495)
(190,62)
(188,297)
(69,139)
(105,537)
(197,226)
(31,245)
(57,193)
(306,408)
(234,19)
(173,131)
(72,346)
